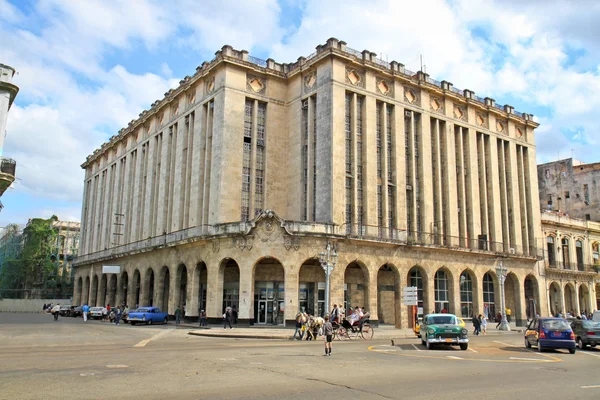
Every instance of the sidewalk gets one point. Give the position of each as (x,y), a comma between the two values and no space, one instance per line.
(278,333)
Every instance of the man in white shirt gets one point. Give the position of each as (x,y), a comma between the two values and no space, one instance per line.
(55,311)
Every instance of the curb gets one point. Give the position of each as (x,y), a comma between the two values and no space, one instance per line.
(239,336)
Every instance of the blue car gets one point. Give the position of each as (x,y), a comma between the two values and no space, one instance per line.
(148,316)
(550,333)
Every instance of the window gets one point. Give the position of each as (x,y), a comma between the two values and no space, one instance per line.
(565,254)
(416,280)
(586,194)
(489,305)
(551,254)
(549,199)
(579,254)
(466,295)
(595,253)
(441,291)
(567,195)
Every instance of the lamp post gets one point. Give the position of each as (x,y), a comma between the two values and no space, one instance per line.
(501,272)
(328,259)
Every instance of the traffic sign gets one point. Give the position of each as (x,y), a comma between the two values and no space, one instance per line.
(410,290)
(410,301)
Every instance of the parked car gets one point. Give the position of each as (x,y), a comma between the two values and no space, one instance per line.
(550,333)
(64,310)
(596,316)
(443,329)
(148,316)
(587,333)
(95,312)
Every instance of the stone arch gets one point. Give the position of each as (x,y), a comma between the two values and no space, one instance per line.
(94,291)
(555,298)
(468,289)
(229,280)
(85,299)
(124,287)
(532,297)
(443,286)
(163,289)
(311,279)
(181,283)
(78,292)
(570,298)
(103,290)
(491,298)
(112,290)
(356,286)
(268,275)
(512,296)
(201,274)
(388,295)
(148,289)
(585,304)
(417,276)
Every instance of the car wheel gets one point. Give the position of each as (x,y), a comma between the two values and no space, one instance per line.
(527,344)
(422,342)
(166,320)
(580,344)
(572,351)
(540,348)
(132,323)
(427,344)
(464,346)
(149,322)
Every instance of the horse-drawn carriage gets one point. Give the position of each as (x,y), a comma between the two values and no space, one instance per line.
(348,330)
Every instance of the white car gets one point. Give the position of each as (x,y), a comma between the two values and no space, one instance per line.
(95,312)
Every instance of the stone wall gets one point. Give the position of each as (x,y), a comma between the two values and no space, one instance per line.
(29,305)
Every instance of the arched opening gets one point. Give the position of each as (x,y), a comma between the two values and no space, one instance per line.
(94,293)
(388,295)
(566,257)
(148,288)
(112,290)
(356,287)
(443,292)
(570,298)
(512,296)
(103,290)
(467,306)
(124,287)
(532,300)
(164,283)
(86,291)
(269,292)
(417,278)
(551,251)
(489,296)
(181,287)
(584,299)
(555,298)
(78,291)
(202,274)
(137,288)
(311,288)
(230,274)
(579,254)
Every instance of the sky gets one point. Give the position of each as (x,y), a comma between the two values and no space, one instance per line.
(87,68)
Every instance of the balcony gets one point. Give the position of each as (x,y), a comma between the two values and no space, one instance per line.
(562,267)
(7,173)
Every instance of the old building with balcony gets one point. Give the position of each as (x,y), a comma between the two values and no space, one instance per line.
(225,192)
(572,263)
(8,92)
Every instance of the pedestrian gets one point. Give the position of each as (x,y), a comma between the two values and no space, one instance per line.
(117,315)
(483,321)
(298,330)
(177,316)
(327,335)
(85,310)
(499,319)
(104,314)
(508,314)
(55,310)
(476,325)
(227,318)
(44,307)
(202,318)
(335,314)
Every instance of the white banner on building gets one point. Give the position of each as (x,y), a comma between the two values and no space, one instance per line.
(111,269)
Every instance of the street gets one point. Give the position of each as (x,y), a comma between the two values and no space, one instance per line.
(70,359)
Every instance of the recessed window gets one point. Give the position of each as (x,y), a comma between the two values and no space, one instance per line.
(567,195)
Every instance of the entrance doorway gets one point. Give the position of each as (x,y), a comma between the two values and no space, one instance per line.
(269,292)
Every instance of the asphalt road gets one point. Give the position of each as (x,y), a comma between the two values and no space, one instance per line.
(70,359)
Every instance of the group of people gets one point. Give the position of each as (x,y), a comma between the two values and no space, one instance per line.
(109,314)
(584,315)
(54,309)
(479,324)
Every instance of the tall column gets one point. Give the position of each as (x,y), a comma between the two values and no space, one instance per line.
(197,168)
(384,169)
(426,192)
(193,290)
(149,198)
(369,176)
(136,193)
(246,309)
(429,295)
(494,194)
(252,195)
(214,291)
(291,294)
(514,198)
(310,161)
(178,184)
(454,295)
(451,195)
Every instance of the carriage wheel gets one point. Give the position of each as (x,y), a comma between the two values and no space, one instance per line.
(367,331)
(342,333)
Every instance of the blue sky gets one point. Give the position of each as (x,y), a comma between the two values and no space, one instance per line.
(86,68)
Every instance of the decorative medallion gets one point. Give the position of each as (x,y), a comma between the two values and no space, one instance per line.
(499,126)
(437,104)
(210,85)
(244,242)
(255,84)
(310,80)
(410,96)
(519,132)
(291,242)
(216,246)
(355,77)
(481,120)
(267,229)
(459,112)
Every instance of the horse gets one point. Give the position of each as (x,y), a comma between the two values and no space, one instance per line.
(314,327)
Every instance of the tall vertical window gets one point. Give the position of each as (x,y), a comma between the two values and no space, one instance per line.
(348,158)
(417,173)
(378,138)
(579,254)
(253,163)
(305,140)
(441,291)
(408,170)
(551,251)
(489,305)
(246,167)
(259,193)
(566,257)
(595,253)
(391,206)
(466,295)
(416,280)
(380,209)
(388,139)
(359,164)
(314,157)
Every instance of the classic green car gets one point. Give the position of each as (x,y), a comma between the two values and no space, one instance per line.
(443,329)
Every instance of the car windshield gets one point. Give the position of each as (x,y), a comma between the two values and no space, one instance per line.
(142,310)
(442,319)
(556,325)
(591,324)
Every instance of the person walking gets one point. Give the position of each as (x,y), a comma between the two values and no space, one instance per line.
(483,320)
(85,310)
(55,311)
(508,314)
(299,324)
(202,318)
(327,335)
(117,315)
(476,325)
(498,319)
(335,315)
(177,316)
(227,318)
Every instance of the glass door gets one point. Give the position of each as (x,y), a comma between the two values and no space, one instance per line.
(262,312)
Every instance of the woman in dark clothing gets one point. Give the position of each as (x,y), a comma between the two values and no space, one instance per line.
(476,325)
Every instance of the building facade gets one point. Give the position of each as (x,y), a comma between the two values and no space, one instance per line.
(570,187)
(8,92)
(226,191)
(67,245)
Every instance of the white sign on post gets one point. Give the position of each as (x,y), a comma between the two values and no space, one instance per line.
(410,296)
(111,269)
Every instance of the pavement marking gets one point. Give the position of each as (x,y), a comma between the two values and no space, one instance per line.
(589,354)
(472,349)
(117,366)
(528,359)
(90,374)
(416,348)
(591,387)
(158,335)
(455,358)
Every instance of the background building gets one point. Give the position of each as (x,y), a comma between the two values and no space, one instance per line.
(227,190)
(8,92)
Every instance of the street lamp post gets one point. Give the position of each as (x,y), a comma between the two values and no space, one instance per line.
(328,259)
(501,272)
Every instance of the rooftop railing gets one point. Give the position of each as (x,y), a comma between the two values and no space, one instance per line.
(8,166)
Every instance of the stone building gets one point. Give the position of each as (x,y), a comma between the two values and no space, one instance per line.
(571,188)
(572,263)
(226,191)
(67,244)
(8,92)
